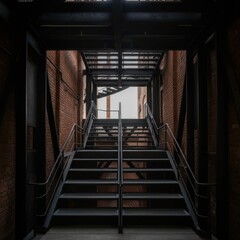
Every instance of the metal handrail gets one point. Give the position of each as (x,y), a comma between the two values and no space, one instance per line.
(191,178)
(54,179)
(120,171)
(58,158)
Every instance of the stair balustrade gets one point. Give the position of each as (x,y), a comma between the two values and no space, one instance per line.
(195,191)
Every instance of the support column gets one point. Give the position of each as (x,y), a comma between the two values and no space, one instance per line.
(149,94)
(190,117)
(94,93)
(156,89)
(88,93)
(190,110)
(203,204)
(222,141)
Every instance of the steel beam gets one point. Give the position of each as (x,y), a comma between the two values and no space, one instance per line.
(222,202)
(61,6)
(137,72)
(203,204)
(52,122)
(133,83)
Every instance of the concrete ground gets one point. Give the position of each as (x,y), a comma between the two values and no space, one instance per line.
(96,233)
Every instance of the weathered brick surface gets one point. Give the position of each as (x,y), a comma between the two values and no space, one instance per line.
(64,71)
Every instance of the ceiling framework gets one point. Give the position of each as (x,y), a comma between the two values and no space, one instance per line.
(132,35)
(119,24)
(122,68)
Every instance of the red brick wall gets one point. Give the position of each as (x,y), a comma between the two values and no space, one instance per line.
(7,146)
(64,71)
(173,80)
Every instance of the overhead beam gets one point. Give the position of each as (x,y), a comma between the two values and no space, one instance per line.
(60,6)
(134,83)
(153,44)
(138,72)
(104,19)
(120,68)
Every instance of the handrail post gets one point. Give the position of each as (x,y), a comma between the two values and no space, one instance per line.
(75,139)
(165,137)
(120,173)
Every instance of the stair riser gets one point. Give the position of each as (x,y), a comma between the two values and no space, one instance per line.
(89,175)
(144,154)
(87,203)
(85,220)
(109,203)
(158,188)
(78,188)
(151,164)
(92,163)
(153,221)
(96,154)
(155,203)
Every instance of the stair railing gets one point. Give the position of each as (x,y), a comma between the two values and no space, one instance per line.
(196,191)
(152,125)
(45,192)
(120,171)
(92,113)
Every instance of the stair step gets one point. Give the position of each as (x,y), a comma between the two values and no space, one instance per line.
(156,212)
(138,195)
(92,181)
(93,170)
(147,181)
(114,141)
(146,159)
(85,212)
(89,196)
(96,159)
(116,137)
(167,170)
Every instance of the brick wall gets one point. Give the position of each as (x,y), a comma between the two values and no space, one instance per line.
(173,68)
(7,145)
(65,80)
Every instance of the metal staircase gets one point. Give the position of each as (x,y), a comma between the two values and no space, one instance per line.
(109,178)
(135,134)
(121,178)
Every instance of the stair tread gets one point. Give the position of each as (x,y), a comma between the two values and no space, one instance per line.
(91,181)
(93,170)
(146,159)
(96,195)
(147,181)
(147,170)
(95,159)
(152,196)
(155,212)
(85,212)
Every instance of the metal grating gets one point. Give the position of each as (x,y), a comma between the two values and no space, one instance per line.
(122,68)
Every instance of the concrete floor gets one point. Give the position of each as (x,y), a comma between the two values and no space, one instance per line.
(96,233)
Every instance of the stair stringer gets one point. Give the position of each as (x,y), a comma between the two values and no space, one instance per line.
(184,193)
(57,194)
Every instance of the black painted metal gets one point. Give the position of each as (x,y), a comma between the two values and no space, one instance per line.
(182,114)
(52,122)
(190,115)
(21,144)
(88,92)
(203,204)
(222,204)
